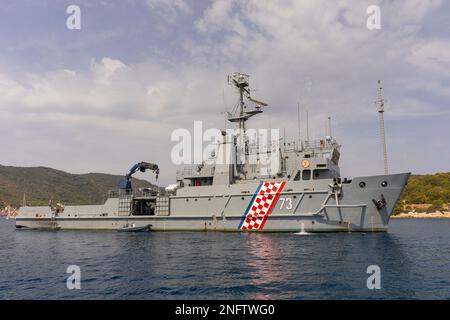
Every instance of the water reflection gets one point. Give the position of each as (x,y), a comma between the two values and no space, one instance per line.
(335,264)
(414,258)
(263,261)
(264,255)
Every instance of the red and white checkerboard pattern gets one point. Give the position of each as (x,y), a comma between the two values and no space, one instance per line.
(262,205)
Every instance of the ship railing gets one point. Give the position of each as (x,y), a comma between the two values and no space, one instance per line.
(292,146)
(141,192)
(192,171)
(317,144)
(259,150)
(268,148)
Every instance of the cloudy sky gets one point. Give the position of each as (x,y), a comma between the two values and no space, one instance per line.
(101,98)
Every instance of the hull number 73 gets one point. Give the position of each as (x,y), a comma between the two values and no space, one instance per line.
(286,203)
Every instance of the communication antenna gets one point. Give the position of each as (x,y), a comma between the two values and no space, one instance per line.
(298,122)
(380,104)
(307,125)
(225,112)
(329,126)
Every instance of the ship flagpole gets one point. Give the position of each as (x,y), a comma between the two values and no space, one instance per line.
(298,123)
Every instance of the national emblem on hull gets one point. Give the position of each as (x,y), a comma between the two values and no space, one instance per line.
(261,205)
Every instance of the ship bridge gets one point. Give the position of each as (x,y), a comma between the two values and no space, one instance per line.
(237,160)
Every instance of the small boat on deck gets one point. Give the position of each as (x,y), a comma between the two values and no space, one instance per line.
(48,228)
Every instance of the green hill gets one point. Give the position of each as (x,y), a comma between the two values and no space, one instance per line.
(41,184)
(431,189)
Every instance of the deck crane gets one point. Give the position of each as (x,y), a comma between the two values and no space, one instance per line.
(142,166)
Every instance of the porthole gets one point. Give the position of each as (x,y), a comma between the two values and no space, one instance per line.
(312,222)
(310,196)
(295,197)
(243,198)
(187,200)
(384,184)
(195,199)
(362,184)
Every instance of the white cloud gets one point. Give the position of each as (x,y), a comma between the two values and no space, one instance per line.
(432,55)
(216,17)
(170,9)
(119,113)
(317,52)
(106,69)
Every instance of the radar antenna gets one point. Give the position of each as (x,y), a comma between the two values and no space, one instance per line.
(242,112)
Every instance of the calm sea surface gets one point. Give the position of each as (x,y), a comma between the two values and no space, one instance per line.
(414,258)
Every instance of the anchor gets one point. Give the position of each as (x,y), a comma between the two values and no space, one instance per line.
(336,190)
(380,204)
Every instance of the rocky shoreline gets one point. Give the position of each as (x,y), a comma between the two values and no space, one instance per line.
(422,215)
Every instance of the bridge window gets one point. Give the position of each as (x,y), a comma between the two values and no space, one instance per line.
(306,175)
(321,174)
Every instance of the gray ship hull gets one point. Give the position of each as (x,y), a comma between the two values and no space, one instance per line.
(361,205)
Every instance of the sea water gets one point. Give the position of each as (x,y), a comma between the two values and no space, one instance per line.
(413,259)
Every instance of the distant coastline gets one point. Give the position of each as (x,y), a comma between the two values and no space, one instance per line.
(422,215)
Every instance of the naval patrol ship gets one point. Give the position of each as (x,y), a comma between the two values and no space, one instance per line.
(241,187)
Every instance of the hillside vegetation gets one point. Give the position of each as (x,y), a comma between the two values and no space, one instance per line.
(431,189)
(41,184)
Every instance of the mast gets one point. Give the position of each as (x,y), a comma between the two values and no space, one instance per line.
(298,123)
(242,112)
(380,104)
(241,106)
(329,126)
(307,126)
